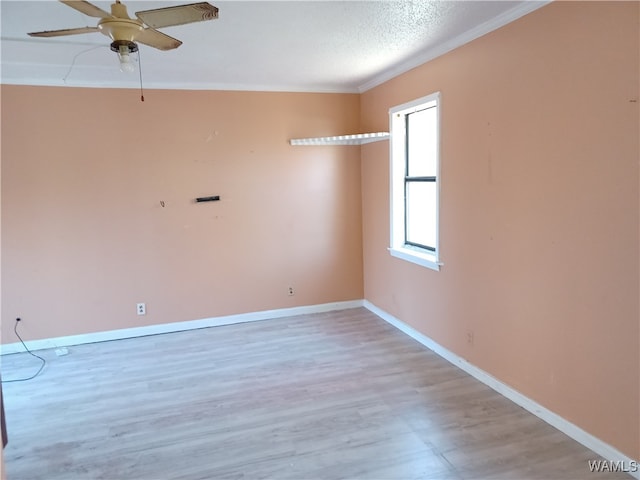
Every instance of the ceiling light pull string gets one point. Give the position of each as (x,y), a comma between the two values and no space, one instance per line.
(140,72)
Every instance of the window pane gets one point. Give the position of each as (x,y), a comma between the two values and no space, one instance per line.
(421,213)
(421,143)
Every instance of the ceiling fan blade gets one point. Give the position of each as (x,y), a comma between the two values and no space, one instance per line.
(156,39)
(61,33)
(86,8)
(178,15)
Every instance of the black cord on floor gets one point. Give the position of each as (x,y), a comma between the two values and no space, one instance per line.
(44,362)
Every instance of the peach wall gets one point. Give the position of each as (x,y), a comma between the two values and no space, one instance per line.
(539,212)
(84,236)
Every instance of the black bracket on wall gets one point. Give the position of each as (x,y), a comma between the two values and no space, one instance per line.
(208,199)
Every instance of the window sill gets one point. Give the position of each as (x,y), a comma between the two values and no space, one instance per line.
(417,257)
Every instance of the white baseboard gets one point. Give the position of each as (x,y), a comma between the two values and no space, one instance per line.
(603,449)
(175,327)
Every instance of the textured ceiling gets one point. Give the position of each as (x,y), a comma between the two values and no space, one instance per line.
(324,46)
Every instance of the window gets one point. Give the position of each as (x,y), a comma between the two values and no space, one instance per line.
(415,180)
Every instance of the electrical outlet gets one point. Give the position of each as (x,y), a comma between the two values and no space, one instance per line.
(141,308)
(290,292)
(470,337)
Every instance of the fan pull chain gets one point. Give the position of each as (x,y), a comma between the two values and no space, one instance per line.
(140,71)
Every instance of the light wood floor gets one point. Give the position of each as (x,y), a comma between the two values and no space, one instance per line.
(323,396)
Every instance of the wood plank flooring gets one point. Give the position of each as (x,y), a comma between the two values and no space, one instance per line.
(324,396)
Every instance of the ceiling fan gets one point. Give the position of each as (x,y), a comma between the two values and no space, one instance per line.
(126,31)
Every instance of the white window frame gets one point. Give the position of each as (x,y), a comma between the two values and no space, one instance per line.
(397,162)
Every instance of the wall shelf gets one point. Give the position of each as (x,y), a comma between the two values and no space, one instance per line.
(357,139)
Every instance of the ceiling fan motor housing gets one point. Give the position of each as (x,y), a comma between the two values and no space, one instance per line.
(120,28)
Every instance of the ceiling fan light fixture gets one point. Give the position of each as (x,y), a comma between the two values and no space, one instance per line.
(125,31)
(125,61)
(124,48)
